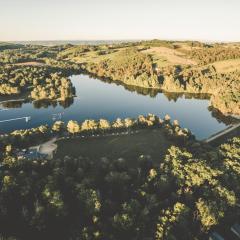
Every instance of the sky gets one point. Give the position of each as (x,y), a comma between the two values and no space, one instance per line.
(206,20)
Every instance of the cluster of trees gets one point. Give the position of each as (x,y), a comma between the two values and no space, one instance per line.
(129,66)
(227,102)
(67,67)
(172,44)
(184,197)
(173,129)
(24,138)
(15,53)
(40,82)
(76,51)
(215,53)
(55,87)
(157,43)
(223,88)
(82,50)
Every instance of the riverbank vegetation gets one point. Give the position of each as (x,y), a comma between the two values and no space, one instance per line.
(224,88)
(90,127)
(129,66)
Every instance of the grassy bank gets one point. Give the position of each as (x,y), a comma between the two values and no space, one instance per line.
(146,141)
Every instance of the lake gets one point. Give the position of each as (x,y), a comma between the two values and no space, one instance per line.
(97,99)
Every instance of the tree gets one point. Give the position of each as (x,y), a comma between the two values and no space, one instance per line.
(103,124)
(89,125)
(58,126)
(118,123)
(128,122)
(73,127)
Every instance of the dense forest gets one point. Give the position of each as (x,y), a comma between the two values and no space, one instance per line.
(129,66)
(215,53)
(223,87)
(189,193)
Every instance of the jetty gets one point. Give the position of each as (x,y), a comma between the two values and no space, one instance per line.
(27,119)
(223,134)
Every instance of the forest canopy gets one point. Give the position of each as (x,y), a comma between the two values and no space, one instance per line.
(186,196)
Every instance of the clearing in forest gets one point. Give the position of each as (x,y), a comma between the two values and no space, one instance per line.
(130,146)
(164,56)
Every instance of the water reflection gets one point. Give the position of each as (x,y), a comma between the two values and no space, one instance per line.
(139,90)
(38,104)
(221,118)
(45,104)
(104,99)
(154,92)
(12,104)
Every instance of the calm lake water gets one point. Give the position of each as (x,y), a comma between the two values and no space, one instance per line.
(97,99)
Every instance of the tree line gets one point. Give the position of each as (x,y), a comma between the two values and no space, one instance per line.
(24,138)
(223,88)
(215,53)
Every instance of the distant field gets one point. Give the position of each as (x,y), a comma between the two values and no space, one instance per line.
(92,56)
(187,47)
(148,142)
(164,56)
(29,64)
(8,45)
(227,65)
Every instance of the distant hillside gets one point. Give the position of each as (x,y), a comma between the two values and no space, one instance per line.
(8,45)
(73,42)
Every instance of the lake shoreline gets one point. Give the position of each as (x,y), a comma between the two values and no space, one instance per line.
(113,100)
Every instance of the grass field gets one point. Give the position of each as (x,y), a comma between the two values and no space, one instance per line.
(164,56)
(227,65)
(147,141)
(93,56)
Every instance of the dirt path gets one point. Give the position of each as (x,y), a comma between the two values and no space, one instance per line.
(47,148)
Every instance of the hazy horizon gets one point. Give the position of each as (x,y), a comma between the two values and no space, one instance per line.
(120,40)
(106,20)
